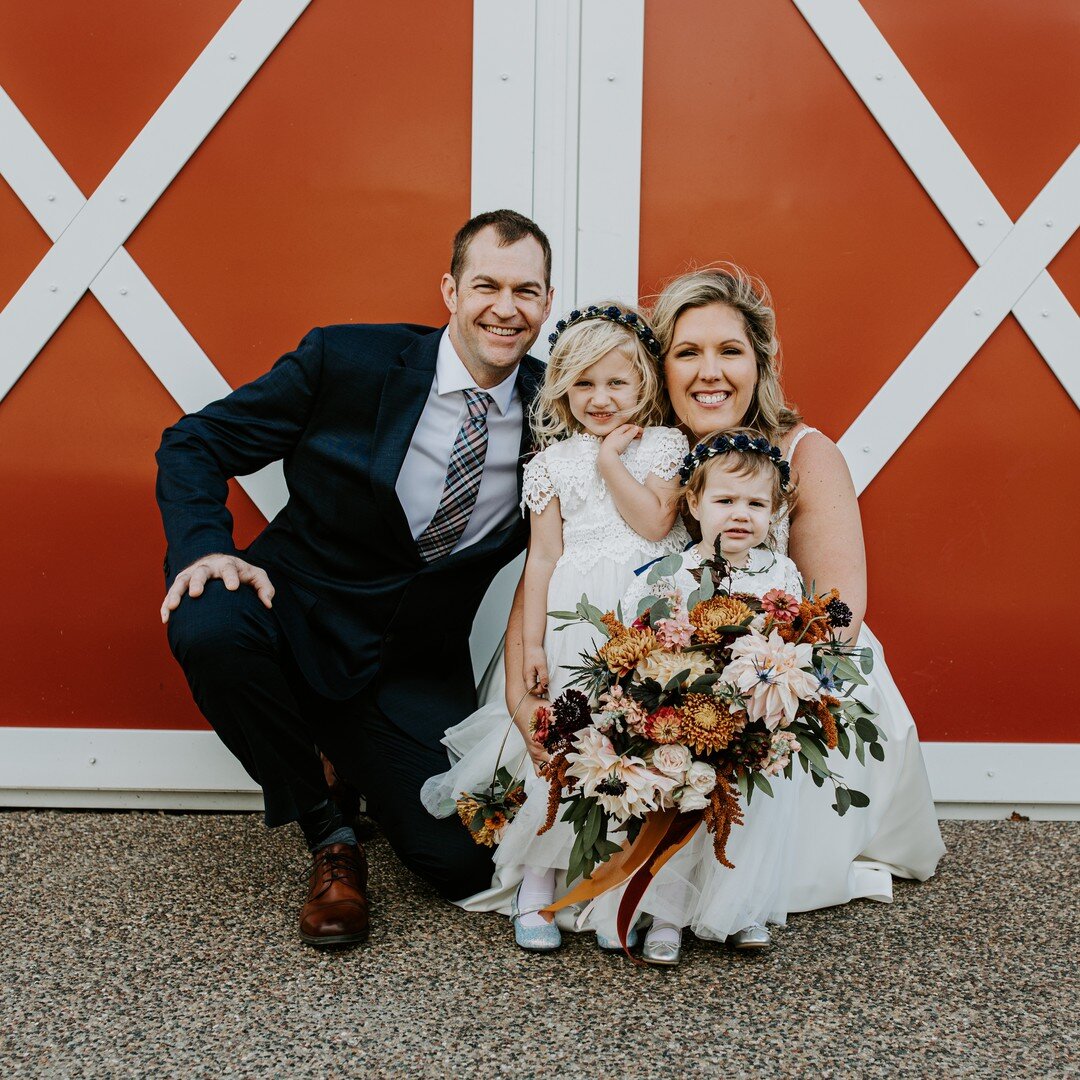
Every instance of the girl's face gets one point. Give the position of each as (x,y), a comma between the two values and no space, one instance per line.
(605,394)
(710,369)
(734,511)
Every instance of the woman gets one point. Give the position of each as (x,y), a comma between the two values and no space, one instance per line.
(717,330)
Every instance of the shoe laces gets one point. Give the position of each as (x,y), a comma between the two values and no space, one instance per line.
(331,866)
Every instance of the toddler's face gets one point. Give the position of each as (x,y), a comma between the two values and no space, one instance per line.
(605,394)
(734,511)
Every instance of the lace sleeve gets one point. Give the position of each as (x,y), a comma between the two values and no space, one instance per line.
(667,448)
(537,486)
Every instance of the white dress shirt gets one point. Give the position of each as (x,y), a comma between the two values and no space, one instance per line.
(423,473)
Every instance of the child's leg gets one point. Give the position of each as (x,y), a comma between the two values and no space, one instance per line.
(536,892)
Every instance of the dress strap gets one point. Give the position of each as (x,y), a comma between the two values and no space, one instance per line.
(797,439)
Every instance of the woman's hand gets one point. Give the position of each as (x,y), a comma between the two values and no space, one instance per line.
(534,670)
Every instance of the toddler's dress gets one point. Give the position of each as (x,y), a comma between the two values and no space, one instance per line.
(600,553)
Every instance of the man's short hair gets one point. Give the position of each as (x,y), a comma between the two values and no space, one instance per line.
(509,226)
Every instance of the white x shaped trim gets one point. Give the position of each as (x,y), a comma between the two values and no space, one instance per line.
(88,234)
(1012,258)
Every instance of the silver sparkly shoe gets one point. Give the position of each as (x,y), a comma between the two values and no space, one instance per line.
(546,938)
(750,938)
(665,953)
(611,944)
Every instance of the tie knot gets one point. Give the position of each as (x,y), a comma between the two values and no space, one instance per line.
(479,401)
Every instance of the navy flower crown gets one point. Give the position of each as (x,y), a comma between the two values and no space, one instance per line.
(630,319)
(723,444)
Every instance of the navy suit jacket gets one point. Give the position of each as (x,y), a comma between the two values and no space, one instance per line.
(358,604)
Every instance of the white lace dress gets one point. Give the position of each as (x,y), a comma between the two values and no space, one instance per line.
(600,554)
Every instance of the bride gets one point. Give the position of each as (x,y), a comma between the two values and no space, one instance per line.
(717,331)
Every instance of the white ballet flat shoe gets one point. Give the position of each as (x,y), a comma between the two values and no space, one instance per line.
(750,938)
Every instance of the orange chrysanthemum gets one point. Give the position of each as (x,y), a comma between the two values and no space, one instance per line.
(623,652)
(708,616)
(706,723)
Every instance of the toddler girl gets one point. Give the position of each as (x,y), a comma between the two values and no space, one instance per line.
(736,486)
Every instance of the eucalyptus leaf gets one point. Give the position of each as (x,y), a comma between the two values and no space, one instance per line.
(677,680)
(592,827)
(704,683)
(860,750)
(858,798)
(667,566)
(843,800)
(877,751)
(644,604)
(867,729)
(693,599)
(843,740)
(866,661)
(817,778)
(707,588)
(573,615)
(660,610)
(762,782)
(744,784)
(812,752)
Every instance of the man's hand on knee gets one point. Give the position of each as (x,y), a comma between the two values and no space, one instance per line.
(233,571)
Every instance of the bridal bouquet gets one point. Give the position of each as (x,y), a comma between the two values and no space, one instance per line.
(691,703)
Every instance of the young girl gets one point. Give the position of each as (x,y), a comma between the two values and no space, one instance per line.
(736,487)
(601,494)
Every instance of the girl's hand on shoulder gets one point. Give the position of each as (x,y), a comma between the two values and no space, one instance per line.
(615,442)
(535,670)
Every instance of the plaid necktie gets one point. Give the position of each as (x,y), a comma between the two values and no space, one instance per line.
(462,481)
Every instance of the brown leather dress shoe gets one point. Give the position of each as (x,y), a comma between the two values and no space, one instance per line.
(336,911)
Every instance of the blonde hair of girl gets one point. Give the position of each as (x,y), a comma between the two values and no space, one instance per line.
(579,347)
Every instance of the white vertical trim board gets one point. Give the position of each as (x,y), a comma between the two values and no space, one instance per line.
(609,177)
(192,769)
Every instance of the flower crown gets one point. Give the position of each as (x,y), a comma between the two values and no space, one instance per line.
(630,319)
(724,443)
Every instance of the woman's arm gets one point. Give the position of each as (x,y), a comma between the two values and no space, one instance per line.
(826,529)
(649,508)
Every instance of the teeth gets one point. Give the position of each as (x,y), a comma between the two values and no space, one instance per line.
(712,399)
(503,331)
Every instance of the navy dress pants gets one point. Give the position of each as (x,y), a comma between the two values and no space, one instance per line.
(248,686)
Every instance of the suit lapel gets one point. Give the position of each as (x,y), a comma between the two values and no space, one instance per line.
(404,394)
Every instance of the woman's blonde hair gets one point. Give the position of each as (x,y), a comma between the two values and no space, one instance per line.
(726,283)
(741,463)
(579,347)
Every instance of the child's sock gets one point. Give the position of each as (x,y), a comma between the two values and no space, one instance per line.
(537,891)
(664,932)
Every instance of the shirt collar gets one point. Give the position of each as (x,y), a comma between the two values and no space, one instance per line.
(452,376)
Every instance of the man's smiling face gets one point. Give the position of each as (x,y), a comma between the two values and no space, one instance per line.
(498,304)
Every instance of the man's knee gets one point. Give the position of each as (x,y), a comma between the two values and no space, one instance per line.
(206,632)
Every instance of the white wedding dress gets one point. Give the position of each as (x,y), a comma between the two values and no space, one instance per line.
(837,859)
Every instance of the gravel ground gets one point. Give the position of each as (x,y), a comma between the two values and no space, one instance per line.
(154,944)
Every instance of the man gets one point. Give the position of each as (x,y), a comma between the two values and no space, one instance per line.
(343,628)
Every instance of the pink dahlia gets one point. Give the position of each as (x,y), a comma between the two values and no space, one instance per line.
(780,605)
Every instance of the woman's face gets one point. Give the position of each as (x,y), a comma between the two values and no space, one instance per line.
(710,370)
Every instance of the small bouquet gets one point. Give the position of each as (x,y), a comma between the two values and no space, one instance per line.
(690,704)
(487,813)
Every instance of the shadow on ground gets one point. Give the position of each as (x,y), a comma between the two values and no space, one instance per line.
(150,944)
